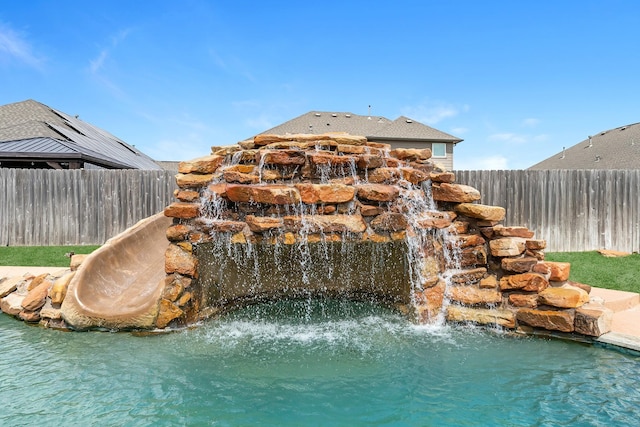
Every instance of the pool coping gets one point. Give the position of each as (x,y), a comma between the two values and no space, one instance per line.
(625,332)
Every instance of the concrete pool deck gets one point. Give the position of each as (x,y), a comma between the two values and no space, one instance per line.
(625,329)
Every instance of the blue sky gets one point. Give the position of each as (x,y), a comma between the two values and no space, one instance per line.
(517,80)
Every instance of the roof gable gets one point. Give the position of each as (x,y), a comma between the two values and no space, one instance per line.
(372,127)
(617,148)
(24,123)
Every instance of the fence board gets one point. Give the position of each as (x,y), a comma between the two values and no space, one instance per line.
(573,210)
(53,207)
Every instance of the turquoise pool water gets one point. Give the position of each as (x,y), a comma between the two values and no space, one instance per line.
(311,363)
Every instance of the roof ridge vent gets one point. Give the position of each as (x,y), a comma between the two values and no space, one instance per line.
(409,121)
(334,115)
(347,115)
(317,114)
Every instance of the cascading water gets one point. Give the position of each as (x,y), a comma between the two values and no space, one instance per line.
(308,258)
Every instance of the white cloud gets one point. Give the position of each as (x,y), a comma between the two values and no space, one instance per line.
(496,162)
(96,65)
(530,122)
(433,113)
(15,46)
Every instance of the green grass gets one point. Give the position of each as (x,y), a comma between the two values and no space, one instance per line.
(41,256)
(586,267)
(591,268)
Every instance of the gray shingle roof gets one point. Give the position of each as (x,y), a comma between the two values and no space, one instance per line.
(373,127)
(617,148)
(29,128)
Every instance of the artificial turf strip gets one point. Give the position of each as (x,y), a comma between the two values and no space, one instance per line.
(41,256)
(621,273)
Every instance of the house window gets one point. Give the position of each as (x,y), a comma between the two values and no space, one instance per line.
(439,149)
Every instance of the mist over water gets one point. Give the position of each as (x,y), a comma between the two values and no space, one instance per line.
(311,362)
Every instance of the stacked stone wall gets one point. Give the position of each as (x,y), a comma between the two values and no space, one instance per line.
(339,187)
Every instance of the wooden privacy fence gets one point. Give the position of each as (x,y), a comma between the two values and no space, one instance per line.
(67,207)
(573,210)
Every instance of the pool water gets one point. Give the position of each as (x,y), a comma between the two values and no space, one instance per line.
(315,363)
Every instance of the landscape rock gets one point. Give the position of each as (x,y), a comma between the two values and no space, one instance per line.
(36,297)
(482,316)
(12,304)
(547,319)
(531,282)
(472,295)
(482,212)
(457,193)
(507,246)
(568,297)
(593,320)
(9,285)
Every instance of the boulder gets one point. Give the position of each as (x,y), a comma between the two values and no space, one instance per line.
(523,300)
(262,224)
(547,319)
(325,223)
(268,194)
(411,154)
(507,246)
(12,304)
(377,192)
(167,312)
(559,271)
(481,212)
(182,210)
(436,219)
(325,193)
(458,193)
(281,157)
(178,232)
(386,175)
(473,295)
(518,265)
(593,320)
(429,302)
(232,176)
(36,297)
(565,297)
(201,165)
(535,245)
(389,221)
(179,261)
(502,231)
(59,289)
(192,180)
(482,316)
(448,177)
(489,282)
(9,285)
(369,161)
(530,282)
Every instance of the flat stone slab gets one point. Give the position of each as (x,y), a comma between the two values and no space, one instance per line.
(621,340)
(616,300)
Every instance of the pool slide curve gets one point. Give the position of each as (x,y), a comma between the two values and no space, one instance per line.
(119,285)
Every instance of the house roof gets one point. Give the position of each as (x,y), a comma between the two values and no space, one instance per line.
(617,148)
(373,127)
(31,130)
